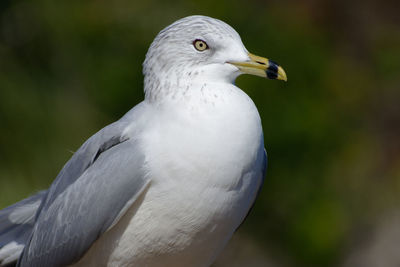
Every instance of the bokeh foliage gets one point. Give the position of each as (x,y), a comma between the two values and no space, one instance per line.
(68,68)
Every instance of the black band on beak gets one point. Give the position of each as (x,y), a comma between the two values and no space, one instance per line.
(272,70)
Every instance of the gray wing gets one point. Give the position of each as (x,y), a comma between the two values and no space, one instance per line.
(93,190)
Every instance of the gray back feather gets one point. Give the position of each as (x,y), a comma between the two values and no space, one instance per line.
(91,192)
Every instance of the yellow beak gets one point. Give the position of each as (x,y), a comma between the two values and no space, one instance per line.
(261,66)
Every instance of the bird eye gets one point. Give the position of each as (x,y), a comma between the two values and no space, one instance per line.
(200,45)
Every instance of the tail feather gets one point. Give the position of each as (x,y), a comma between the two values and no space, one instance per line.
(16,223)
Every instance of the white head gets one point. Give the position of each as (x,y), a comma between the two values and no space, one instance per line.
(198,47)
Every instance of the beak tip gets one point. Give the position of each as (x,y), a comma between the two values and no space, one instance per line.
(282,74)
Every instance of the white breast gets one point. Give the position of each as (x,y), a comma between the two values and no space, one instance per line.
(199,194)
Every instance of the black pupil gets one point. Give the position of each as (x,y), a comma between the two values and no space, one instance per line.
(201,44)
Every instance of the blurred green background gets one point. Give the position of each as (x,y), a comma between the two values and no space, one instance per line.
(332,132)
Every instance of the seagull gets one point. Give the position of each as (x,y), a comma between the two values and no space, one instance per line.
(169,183)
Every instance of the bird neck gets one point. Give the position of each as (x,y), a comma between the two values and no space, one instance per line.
(181,82)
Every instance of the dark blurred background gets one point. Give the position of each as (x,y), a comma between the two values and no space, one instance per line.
(332,132)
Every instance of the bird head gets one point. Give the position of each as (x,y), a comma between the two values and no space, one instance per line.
(199,47)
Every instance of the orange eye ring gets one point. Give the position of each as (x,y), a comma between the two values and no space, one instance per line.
(200,45)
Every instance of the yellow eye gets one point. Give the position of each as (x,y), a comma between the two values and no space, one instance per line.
(200,45)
